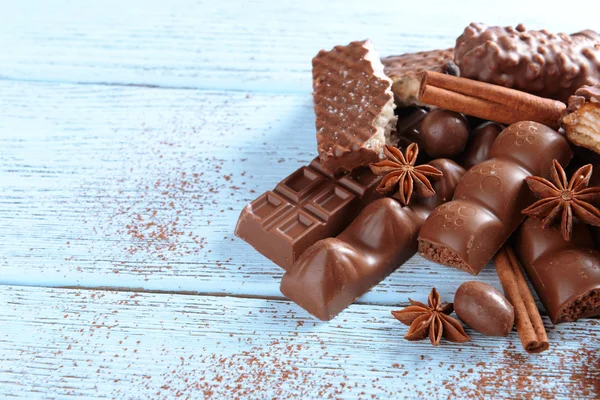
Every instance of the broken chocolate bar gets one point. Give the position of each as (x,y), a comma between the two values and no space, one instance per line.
(334,272)
(565,274)
(581,120)
(354,106)
(307,206)
(466,232)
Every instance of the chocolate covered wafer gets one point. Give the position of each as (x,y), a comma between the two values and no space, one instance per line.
(564,274)
(538,62)
(581,120)
(307,206)
(354,106)
(404,70)
(334,272)
(466,232)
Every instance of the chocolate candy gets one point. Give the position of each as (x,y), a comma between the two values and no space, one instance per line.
(484,309)
(307,206)
(466,232)
(354,106)
(480,143)
(439,133)
(334,272)
(545,64)
(564,274)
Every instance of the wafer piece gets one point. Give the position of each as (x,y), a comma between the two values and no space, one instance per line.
(354,106)
(538,62)
(404,71)
(581,120)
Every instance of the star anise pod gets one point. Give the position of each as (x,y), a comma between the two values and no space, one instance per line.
(558,197)
(402,176)
(433,320)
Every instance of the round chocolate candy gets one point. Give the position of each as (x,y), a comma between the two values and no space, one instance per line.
(443,133)
(484,309)
(480,143)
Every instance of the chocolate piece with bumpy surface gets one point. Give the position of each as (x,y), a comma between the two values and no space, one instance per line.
(354,106)
(305,207)
(565,274)
(334,272)
(537,62)
(581,120)
(405,70)
(466,232)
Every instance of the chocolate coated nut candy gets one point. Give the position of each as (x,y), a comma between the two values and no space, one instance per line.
(439,133)
(484,309)
(444,133)
(480,144)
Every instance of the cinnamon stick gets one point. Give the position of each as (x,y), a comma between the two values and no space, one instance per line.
(487,101)
(527,317)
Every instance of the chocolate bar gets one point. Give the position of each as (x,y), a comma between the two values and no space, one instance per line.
(334,272)
(564,274)
(466,232)
(538,62)
(354,106)
(309,205)
(404,70)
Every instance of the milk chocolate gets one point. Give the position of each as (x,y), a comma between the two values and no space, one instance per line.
(307,206)
(354,106)
(438,133)
(334,272)
(466,232)
(484,309)
(480,143)
(538,62)
(564,274)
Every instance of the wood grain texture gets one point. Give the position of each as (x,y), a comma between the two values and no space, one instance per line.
(138,187)
(141,188)
(260,46)
(58,343)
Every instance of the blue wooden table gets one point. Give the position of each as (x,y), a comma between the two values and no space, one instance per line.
(131,136)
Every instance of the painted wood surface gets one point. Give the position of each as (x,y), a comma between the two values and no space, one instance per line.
(131,135)
(110,186)
(58,343)
(260,45)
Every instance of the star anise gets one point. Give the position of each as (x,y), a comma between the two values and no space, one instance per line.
(402,176)
(433,320)
(565,199)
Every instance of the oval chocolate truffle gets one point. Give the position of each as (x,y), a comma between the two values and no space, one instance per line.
(484,309)
(480,143)
(444,133)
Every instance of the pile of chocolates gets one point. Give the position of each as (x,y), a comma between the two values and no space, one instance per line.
(461,155)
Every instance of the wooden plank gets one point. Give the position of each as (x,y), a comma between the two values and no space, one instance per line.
(141,188)
(58,343)
(263,46)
